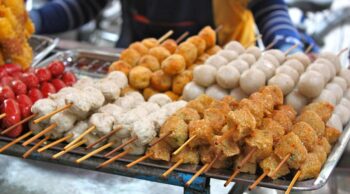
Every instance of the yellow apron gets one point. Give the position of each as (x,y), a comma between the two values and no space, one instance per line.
(236,20)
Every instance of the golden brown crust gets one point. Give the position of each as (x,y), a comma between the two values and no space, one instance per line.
(160,81)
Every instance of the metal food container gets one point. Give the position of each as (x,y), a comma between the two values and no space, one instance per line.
(42,46)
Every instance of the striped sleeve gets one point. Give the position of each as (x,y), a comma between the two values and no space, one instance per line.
(62,15)
(274,23)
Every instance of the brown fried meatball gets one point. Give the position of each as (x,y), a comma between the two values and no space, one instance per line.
(201,59)
(150,42)
(139,77)
(180,81)
(188,51)
(139,47)
(170,45)
(208,34)
(332,134)
(172,95)
(323,109)
(213,50)
(130,56)
(159,52)
(174,64)
(148,92)
(120,66)
(199,43)
(160,81)
(149,61)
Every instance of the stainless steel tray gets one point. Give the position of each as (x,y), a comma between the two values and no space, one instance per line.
(95,64)
(84,62)
(42,46)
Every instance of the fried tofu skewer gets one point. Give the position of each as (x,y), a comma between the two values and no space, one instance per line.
(295,178)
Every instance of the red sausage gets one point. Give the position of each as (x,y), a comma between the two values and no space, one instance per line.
(13,115)
(25,104)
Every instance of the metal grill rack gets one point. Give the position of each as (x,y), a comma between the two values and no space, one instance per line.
(41,46)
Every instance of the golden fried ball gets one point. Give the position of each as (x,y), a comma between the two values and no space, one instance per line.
(150,62)
(139,77)
(188,51)
(170,45)
(148,92)
(180,81)
(150,42)
(160,81)
(159,52)
(130,56)
(213,50)
(120,66)
(208,34)
(174,64)
(199,43)
(202,58)
(172,95)
(139,47)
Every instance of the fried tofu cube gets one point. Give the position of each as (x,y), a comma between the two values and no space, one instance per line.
(223,106)
(291,144)
(323,109)
(275,91)
(320,152)
(216,119)
(189,155)
(227,146)
(262,141)
(209,153)
(306,134)
(255,107)
(270,163)
(325,144)
(178,129)
(289,110)
(241,122)
(266,99)
(188,114)
(272,126)
(230,101)
(160,151)
(248,167)
(332,134)
(313,120)
(310,168)
(201,103)
(282,118)
(203,132)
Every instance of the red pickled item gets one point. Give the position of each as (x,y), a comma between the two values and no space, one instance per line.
(43,74)
(25,105)
(12,68)
(30,79)
(6,93)
(58,84)
(13,115)
(69,78)
(35,94)
(18,87)
(47,88)
(6,80)
(56,68)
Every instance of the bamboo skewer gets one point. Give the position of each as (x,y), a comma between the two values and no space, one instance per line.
(3,115)
(41,133)
(246,158)
(198,173)
(104,137)
(55,143)
(291,49)
(212,162)
(172,168)
(114,158)
(234,174)
(133,163)
(256,38)
(40,119)
(258,180)
(89,130)
(342,51)
(184,145)
(280,165)
(121,146)
(218,29)
(309,48)
(59,154)
(183,36)
(35,147)
(165,36)
(17,124)
(98,150)
(269,46)
(295,178)
(159,139)
(13,142)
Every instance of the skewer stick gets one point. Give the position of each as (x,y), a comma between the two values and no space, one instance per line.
(171,169)
(104,137)
(13,142)
(258,180)
(219,28)
(17,124)
(183,36)
(199,172)
(89,130)
(269,46)
(35,147)
(165,36)
(291,49)
(256,38)
(308,49)
(116,157)
(295,178)
(3,115)
(37,136)
(38,120)
(69,149)
(184,145)
(98,150)
(212,162)
(246,158)
(121,146)
(342,51)
(159,139)
(133,163)
(55,143)
(280,165)
(234,174)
